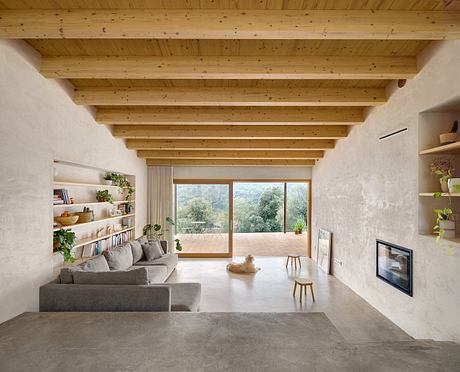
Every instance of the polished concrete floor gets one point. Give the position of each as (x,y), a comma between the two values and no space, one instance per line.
(270,290)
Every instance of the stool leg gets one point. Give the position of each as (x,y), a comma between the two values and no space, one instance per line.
(287,261)
(295,263)
(301,290)
(312,294)
(300,263)
(305,292)
(295,288)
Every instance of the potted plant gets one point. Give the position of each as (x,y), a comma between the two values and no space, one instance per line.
(444,227)
(156,232)
(104,196)
(63,242)
(444,169)
(299,226)
(108,179)
(123,183)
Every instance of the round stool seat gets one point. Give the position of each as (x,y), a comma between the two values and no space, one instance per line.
(294,258)
(295,255)
(301,281)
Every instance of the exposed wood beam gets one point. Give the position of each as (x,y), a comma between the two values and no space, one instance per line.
(233,162)
(229,154)
(229,24)
(236,131)
(229,144)
(230,115)
(234,67)
(231,96)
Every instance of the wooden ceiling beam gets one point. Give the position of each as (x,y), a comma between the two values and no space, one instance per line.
(229,144)
(230,96)
(230,115)
(232,162)
(233,67)
(229,24)
(228,132)
(228,154)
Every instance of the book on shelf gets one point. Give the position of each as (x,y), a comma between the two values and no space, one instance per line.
(61,195)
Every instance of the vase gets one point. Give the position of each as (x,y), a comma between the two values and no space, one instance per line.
(108,182)
(444,186)
(454,185)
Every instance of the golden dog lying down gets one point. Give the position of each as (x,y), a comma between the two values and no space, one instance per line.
(246,267)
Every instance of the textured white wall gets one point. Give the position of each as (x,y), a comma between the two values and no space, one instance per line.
(38,124)
(242,172)
(367,189)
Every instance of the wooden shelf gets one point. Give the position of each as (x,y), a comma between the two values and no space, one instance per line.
(90,203)
(80,184)
(443,194)
(93,222)
(82,242)
(451,148)
(451,240)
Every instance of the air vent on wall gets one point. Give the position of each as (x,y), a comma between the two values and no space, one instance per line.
(395,133)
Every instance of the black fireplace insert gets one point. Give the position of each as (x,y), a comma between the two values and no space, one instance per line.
(394,265)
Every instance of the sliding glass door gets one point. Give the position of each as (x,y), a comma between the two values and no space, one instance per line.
(203,218)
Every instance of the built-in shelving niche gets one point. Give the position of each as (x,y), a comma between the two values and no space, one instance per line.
(432,123)
(82,182)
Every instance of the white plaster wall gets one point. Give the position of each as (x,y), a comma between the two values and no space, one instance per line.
(367,189)
(242,173)
(39,123)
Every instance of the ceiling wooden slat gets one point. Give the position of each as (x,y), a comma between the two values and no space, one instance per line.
(236,131)
(233,162)
(230,115)
(230,24)
(231,97)
(228,154)
(274,67)
(230,144)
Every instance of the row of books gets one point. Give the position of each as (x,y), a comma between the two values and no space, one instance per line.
(61,196)
(100,246)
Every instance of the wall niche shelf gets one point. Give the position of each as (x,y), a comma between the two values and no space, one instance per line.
(93,222)
(444,194)
(91,204)
(80,184)
(449,149)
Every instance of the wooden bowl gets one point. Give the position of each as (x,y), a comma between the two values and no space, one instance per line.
(84,217)
(66,221)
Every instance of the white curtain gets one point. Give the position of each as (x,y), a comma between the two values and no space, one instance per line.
(160,200)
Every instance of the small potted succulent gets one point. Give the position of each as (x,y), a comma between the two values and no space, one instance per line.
(299,226)
(444,169)
(63,242)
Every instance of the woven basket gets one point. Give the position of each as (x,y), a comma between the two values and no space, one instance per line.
(84,216)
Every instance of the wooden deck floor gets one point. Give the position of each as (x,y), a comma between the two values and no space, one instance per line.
(257,244)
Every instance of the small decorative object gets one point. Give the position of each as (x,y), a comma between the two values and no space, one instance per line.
(66,219)
(104,196)
(63,242)
(445,227)
(454,185)
(127,221)
(117,227)
(114,211)
(85,216)
(324,250)
(444,169)
(108,179)
(101,232)
(178,245)
(450,136)
(299,226)
(72,201)
(247,267)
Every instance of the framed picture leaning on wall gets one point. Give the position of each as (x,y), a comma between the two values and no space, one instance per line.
(324,250)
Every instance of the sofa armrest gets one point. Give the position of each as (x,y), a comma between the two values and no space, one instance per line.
(111,298)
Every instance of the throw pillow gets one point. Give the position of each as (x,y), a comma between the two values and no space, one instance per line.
(66,274)
(152,250)
(136,249)
(98,263)
(132,277)
(143,239)
(119,258)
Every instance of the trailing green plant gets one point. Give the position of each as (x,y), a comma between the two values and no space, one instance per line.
(299,226)
(441,215)
(104,196)
(63,242)
(443,168)
(123,183)
(178,245)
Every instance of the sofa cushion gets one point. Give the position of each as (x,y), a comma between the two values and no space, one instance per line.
(140,276)
(96,264)
(152,250)
(136,249)
(169,260)
(119,258)
(185,296)
(157,274)
(142,239)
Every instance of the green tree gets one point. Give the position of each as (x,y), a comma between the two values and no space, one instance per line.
(269,204)
(199,214)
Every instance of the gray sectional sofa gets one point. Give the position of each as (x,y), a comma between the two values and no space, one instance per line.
(130,277)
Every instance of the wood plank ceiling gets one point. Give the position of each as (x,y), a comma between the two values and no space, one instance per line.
(221,82)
